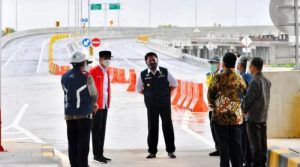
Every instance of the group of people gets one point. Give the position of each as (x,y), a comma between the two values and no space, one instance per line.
(238,107)
(238,110)
(87,94)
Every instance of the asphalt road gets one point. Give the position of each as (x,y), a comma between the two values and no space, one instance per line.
(32,103)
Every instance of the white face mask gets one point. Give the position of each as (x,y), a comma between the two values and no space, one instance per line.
(86,67)
(106,63)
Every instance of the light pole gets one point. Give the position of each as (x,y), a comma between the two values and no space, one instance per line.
(149,13)
(196,11)
(16,15)
(235,12)
(68,14)
(89,17)
(1,148)
(296,34)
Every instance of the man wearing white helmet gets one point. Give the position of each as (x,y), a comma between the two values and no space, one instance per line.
(80,101)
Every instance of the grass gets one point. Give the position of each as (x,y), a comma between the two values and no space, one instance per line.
(288,65)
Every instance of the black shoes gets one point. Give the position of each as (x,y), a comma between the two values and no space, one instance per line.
(150,156)
(172,155)
(107,159)
(215,153)
(101,160)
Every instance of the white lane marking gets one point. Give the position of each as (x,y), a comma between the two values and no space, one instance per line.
(14,54)
(184,126)
(41,54)
(19,115)
(64,158)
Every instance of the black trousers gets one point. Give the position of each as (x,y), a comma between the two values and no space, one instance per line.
(78,132)
(257,134)
(246,146)
(230,148)
(98,131)
(213,131)
(167,127)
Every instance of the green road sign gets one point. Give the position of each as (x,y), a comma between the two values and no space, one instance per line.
(96,6)
(114,6)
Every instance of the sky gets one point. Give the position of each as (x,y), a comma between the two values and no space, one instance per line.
(135,13)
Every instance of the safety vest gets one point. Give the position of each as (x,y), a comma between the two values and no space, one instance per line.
(156,88)
(77,97)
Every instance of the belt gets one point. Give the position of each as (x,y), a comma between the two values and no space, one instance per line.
(72,117)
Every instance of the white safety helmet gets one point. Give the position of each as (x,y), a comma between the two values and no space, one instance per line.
(78,57)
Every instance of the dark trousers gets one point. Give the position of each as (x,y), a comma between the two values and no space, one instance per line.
(167,127)
(98,131)
(230,149)
(246,146)
(78,132)
(257,134)
(213,131)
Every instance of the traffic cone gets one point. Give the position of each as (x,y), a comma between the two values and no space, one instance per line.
(114,75)
(121,78)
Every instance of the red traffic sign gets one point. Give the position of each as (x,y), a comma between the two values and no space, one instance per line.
(96,42)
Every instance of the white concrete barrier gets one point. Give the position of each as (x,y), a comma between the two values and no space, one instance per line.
(284,111)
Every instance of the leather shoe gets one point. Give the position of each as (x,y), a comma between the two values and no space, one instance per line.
(150,156)
(215,153)
(172,155)
(101,160)
(107,159)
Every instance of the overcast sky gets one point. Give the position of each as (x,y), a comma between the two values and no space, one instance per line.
(44,13)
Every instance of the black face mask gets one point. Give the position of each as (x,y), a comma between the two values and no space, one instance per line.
(152,66)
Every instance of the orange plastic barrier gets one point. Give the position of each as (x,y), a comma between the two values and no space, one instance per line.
(132,82)
(176,93)
(115,75)
(122,78)
(198,104)
(63,69)
(189,96)
(183,94)
(53,68)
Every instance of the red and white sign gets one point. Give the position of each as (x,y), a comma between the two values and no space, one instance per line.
(96,42)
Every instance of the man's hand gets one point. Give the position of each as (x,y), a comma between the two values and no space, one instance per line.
(95,108)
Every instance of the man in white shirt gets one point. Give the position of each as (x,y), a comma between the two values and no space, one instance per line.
(156,84)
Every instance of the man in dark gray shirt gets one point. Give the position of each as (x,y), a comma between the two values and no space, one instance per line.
(255,107)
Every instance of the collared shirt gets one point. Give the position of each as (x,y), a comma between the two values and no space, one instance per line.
(105,86)
(223,96)
(171,79)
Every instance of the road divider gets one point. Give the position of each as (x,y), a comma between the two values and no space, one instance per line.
(132,81)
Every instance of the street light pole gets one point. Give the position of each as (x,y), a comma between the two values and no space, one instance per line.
(1,148)
(68,14)
(296,34)
(149,13)
(16,15)
(89,17)
(196,13)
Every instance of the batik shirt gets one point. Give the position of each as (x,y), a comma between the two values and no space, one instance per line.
(223,96)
